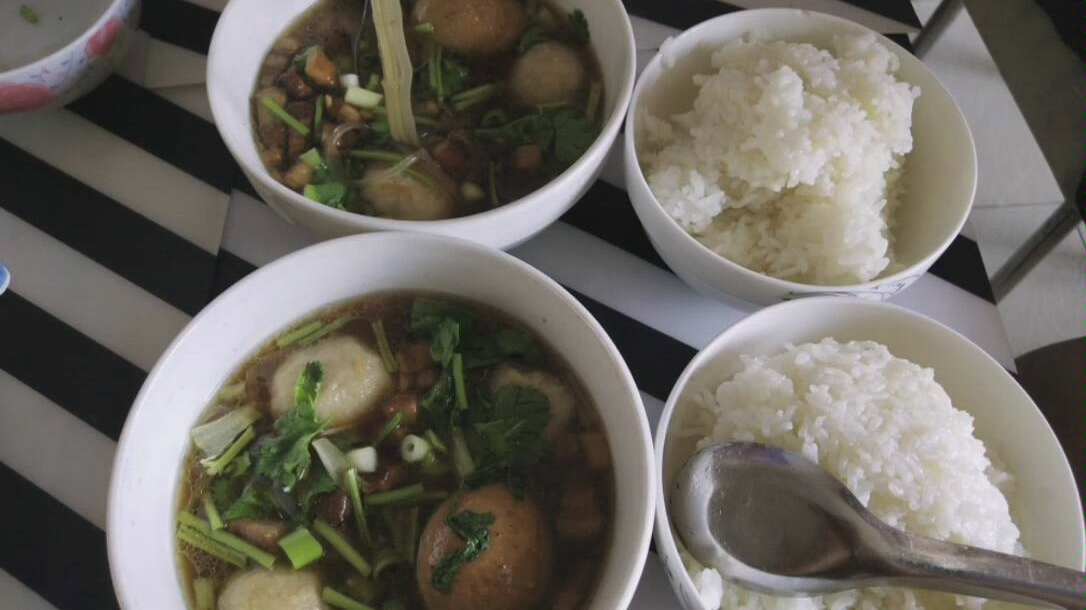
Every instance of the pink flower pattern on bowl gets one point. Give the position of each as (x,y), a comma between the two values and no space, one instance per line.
(76,69)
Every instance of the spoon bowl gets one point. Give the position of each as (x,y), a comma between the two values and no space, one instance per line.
(775,522)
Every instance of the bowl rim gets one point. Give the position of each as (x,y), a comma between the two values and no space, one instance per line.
(118,543)
(666,543)
(706,254)
(220,110)
(84,36)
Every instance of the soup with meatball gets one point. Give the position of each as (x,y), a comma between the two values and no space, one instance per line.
(402,451)
(427,109)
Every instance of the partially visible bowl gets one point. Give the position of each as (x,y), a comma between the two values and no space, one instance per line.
(146,473)
(940,176)
(54,51)
(247,30)
(1045,505)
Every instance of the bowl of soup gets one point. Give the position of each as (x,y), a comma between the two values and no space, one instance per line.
(54,51)
(440,427)
(481,119)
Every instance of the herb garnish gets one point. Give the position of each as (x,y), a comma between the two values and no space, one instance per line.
(579,25)
(473,529)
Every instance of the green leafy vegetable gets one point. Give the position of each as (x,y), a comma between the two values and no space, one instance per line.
(573,135)
(331,194)
(446,338)
(252,503)
(509,431)
(474,530)
(312,488)
(29,15)
(579,26)
(284,457)
(427,314)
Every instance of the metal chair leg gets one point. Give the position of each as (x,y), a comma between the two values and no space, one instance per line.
(940,20)
(1040,243)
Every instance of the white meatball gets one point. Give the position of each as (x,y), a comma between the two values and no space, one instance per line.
(402,197)
(282,589)
(561,399)
(549,72)
(354,380)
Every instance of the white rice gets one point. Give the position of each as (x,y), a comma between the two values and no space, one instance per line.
(787,163)
(886,429)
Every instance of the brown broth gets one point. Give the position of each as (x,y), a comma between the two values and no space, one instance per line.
(578,564)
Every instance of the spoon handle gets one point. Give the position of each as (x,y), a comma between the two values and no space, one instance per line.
(969,570)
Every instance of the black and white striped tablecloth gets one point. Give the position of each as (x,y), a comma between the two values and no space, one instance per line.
(122,215)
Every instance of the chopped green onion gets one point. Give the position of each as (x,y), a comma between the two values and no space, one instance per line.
(403,495)
(376,155)
(327,329)
(227,539)
(425,28)
(284,116)
(231,392)
(334,460)
(374,82)
(435,442)
(30,15)
(203,590)
(458,379)
(594,93)
(301,548)
(318,118)
(297,335)
(436,82)
(350,485)
(385,349)
(192,537)
(216,466)
(213,516)
(493,187)
(364,459)
(475,96)
(348,80)
(344,548)
(362,98)
(362,588)
(461,454)
(411,539)
(390,425)
(386,558)
(414,449)
(338,600)
(216,436)
(471,191)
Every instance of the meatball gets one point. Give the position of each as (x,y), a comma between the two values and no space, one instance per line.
(548,73)
(403,197)
(512,574)
(354,381)
(473,27)
(562,401)
(281,588)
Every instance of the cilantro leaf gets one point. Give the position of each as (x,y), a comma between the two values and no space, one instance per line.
(427,314)
(509,434)
(312,488)
(446,338)
(573,135)
(516,342)
(252,503)
(455,77)
(308,387)
(440,403)
(473,529)
(579,26)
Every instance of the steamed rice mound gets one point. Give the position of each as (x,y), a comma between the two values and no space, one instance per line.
(887,430)
(788,161)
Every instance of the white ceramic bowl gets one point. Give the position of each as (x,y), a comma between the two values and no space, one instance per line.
(247,30)
(940,177)
(144,487)
(1046,504)
(71,49)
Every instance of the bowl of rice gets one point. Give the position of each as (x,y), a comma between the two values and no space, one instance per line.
(778,153)
(928,431)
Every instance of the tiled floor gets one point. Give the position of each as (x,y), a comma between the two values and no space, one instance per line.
(1019,187)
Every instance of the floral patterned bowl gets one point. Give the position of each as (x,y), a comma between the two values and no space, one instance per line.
(54,51)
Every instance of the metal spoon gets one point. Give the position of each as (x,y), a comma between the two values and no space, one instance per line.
(774,522)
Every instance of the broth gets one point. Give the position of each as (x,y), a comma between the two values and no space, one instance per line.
(467,412)
(506,95)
